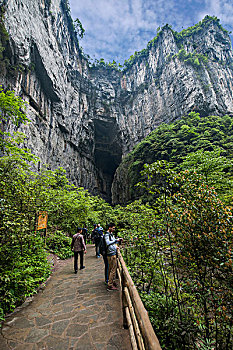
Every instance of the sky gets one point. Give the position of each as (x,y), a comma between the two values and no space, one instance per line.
(115,29)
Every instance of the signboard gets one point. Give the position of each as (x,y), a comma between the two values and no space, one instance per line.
(42,220)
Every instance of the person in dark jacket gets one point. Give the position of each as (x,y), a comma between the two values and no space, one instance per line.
(85,234)
(93,234)
(79,247)
(111,241)
(103,252)
(97,234)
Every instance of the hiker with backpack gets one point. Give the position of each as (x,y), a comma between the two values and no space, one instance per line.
(85,234)
(79,247)
(93,233)
(103,252)
(98,234)
(111,244)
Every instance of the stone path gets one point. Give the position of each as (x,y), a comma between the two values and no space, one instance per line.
(73,312)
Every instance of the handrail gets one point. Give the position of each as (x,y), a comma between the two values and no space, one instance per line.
(135,316)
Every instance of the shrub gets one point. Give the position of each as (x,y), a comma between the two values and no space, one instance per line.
(59,244)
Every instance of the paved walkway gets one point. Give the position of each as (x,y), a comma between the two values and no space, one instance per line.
(73,312)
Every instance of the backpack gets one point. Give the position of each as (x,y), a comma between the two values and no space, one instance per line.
(102,246)
(78,242)
(99,231)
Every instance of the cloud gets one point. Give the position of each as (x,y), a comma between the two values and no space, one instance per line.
(117,28)
(223,9)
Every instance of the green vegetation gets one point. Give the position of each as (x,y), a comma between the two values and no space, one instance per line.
(178,245)
(75,27)
(178,248)
(24,264)
(179,141)
(59,244)
(79,28)
(4,40)
(197,28)
(136,57)
(192,58)
(179,253)
(102,63)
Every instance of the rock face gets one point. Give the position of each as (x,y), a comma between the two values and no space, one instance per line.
(85,118)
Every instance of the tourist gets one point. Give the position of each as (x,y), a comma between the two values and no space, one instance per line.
(85,234)
(97,234)
(93,233)
(103,252)
(111,255)
(79,247)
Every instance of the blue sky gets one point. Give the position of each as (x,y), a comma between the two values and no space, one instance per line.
(115,29)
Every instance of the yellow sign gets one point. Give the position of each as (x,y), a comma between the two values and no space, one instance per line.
(42,220)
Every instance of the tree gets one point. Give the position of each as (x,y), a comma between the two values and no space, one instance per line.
(12,113)
(202,237)
(79,28)
(212,165)
(187,283)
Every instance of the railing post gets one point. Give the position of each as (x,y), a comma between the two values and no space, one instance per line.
(141,324)
(123,297)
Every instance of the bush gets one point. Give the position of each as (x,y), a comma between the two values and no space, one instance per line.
(59,244)
(22,273)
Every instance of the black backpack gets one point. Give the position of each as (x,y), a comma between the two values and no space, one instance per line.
(102,246)
(99,232)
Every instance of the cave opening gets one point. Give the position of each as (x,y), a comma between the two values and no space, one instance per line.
(107,154)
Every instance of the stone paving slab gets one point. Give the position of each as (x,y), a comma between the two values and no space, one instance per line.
(73,312)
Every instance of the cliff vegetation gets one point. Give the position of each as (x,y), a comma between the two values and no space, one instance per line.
(191,58)
(179,38)
(177,246)
(188,138)
(177,224)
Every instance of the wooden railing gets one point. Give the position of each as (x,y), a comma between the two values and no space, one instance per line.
(135,316)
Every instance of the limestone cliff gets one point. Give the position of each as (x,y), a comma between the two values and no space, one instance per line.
(85,118)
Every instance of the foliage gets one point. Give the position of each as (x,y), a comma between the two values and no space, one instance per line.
(79,28)
(192,58)
(4,40)
(24,266)
(101,63)
(202,241)
(214,167)
(143,54)
(136,57)
(195,59)
(178,250)
(181,261)
(176,141)
(76,29)
(24,192)
(164,316)
(198,27)
(59,244)
(12,107)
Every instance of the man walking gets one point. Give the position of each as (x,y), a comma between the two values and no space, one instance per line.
(79,247)
(111,255)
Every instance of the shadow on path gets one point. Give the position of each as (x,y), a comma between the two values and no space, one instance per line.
(73,312)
